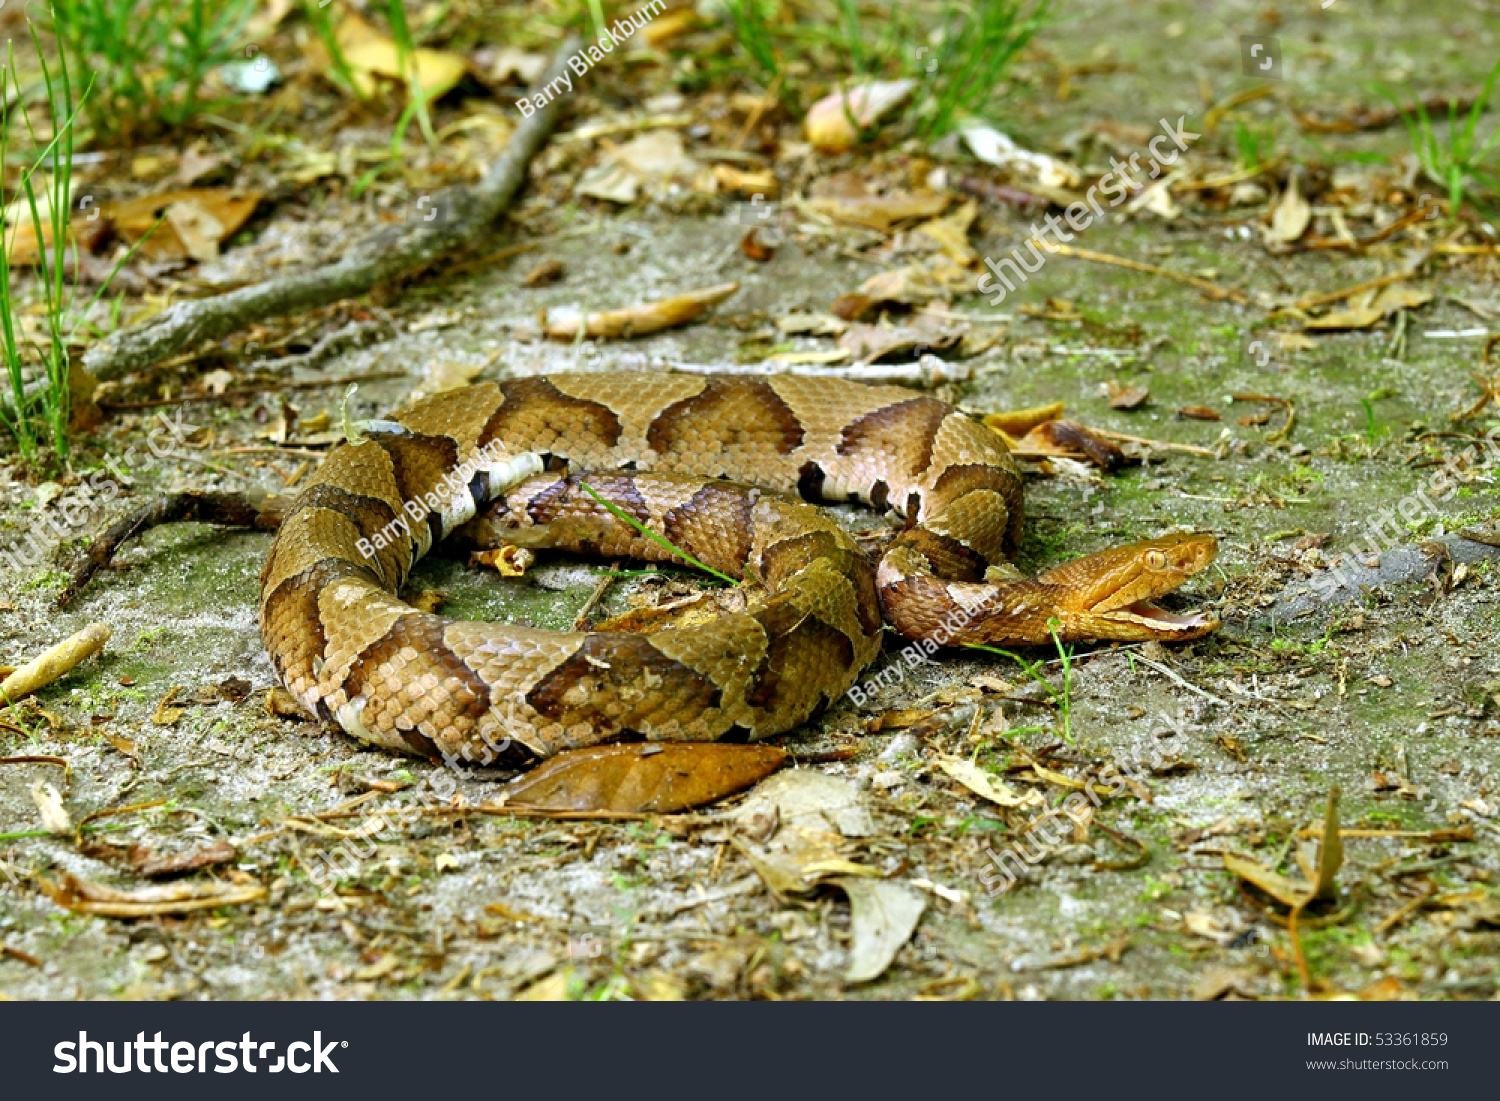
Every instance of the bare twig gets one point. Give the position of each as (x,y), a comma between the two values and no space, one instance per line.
(252,510)
(463,214)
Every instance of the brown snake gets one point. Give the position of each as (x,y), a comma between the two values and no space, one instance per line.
(704,462)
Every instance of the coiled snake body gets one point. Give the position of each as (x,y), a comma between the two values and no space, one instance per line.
(711,464)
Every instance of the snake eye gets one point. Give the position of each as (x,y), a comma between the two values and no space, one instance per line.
(1156,560)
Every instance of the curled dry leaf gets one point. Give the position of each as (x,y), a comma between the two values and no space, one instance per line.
(546,273)
(1292,214)
(1070,439)
(869,343)
(1015,423)
(85,897)
(507,561)
(981,783)
(882,917)
(835,121)
(740,182)
(753,248)
(650,317)
(650,778)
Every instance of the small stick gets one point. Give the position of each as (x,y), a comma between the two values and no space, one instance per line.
(1213,290)
(54,663)
(252,510)
(1191,449)
(1311,301)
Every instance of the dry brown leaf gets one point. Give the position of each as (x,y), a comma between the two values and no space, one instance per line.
(990,787)
(834,122)
(370,55)
(21,238)
(221,211)
(882,917)
(49,804)
(1292,214)
(880,212)
(951,233)
(762,183)
(1365,310)
(545,273)
(507,561)
(1069,438)
(870,343)
(85,897)
(1198,413)
(1015,423)
(649,317)
(651,778)
(155,865)
(753,248)
(1126,397)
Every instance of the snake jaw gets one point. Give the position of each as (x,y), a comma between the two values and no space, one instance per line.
(1111,594)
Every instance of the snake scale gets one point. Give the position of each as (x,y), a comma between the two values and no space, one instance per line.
(715,466)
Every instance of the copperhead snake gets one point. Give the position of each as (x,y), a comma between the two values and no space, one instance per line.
(714,465)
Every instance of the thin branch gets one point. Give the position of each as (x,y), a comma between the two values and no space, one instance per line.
(461,215)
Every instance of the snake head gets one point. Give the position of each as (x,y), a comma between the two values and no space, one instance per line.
(1109,595)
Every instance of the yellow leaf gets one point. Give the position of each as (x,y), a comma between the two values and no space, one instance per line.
(371,54)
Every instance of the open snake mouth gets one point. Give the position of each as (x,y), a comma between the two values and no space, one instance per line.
(1146,614)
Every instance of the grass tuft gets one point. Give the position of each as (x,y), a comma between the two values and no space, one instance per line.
(148,59)
(1461,164)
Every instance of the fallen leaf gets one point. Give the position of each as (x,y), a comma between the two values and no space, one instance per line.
(546,273)
(85,897)
(951,233)
(162,219)
(507,561)
(21,236)
(511,65)
(1015,423)
(370,54)
(1198,413)
(990,787)
(564,323)
(198,230)
(762,183)
(441,375)
(1292,214)
(154,865)
(1069,438)
(995,148)
(833,124)
(879,212)
(1126,397)
(882,917)
(49,802)
(1365,310)
(871,343)
(649,778)
(807,797)
(753,248)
